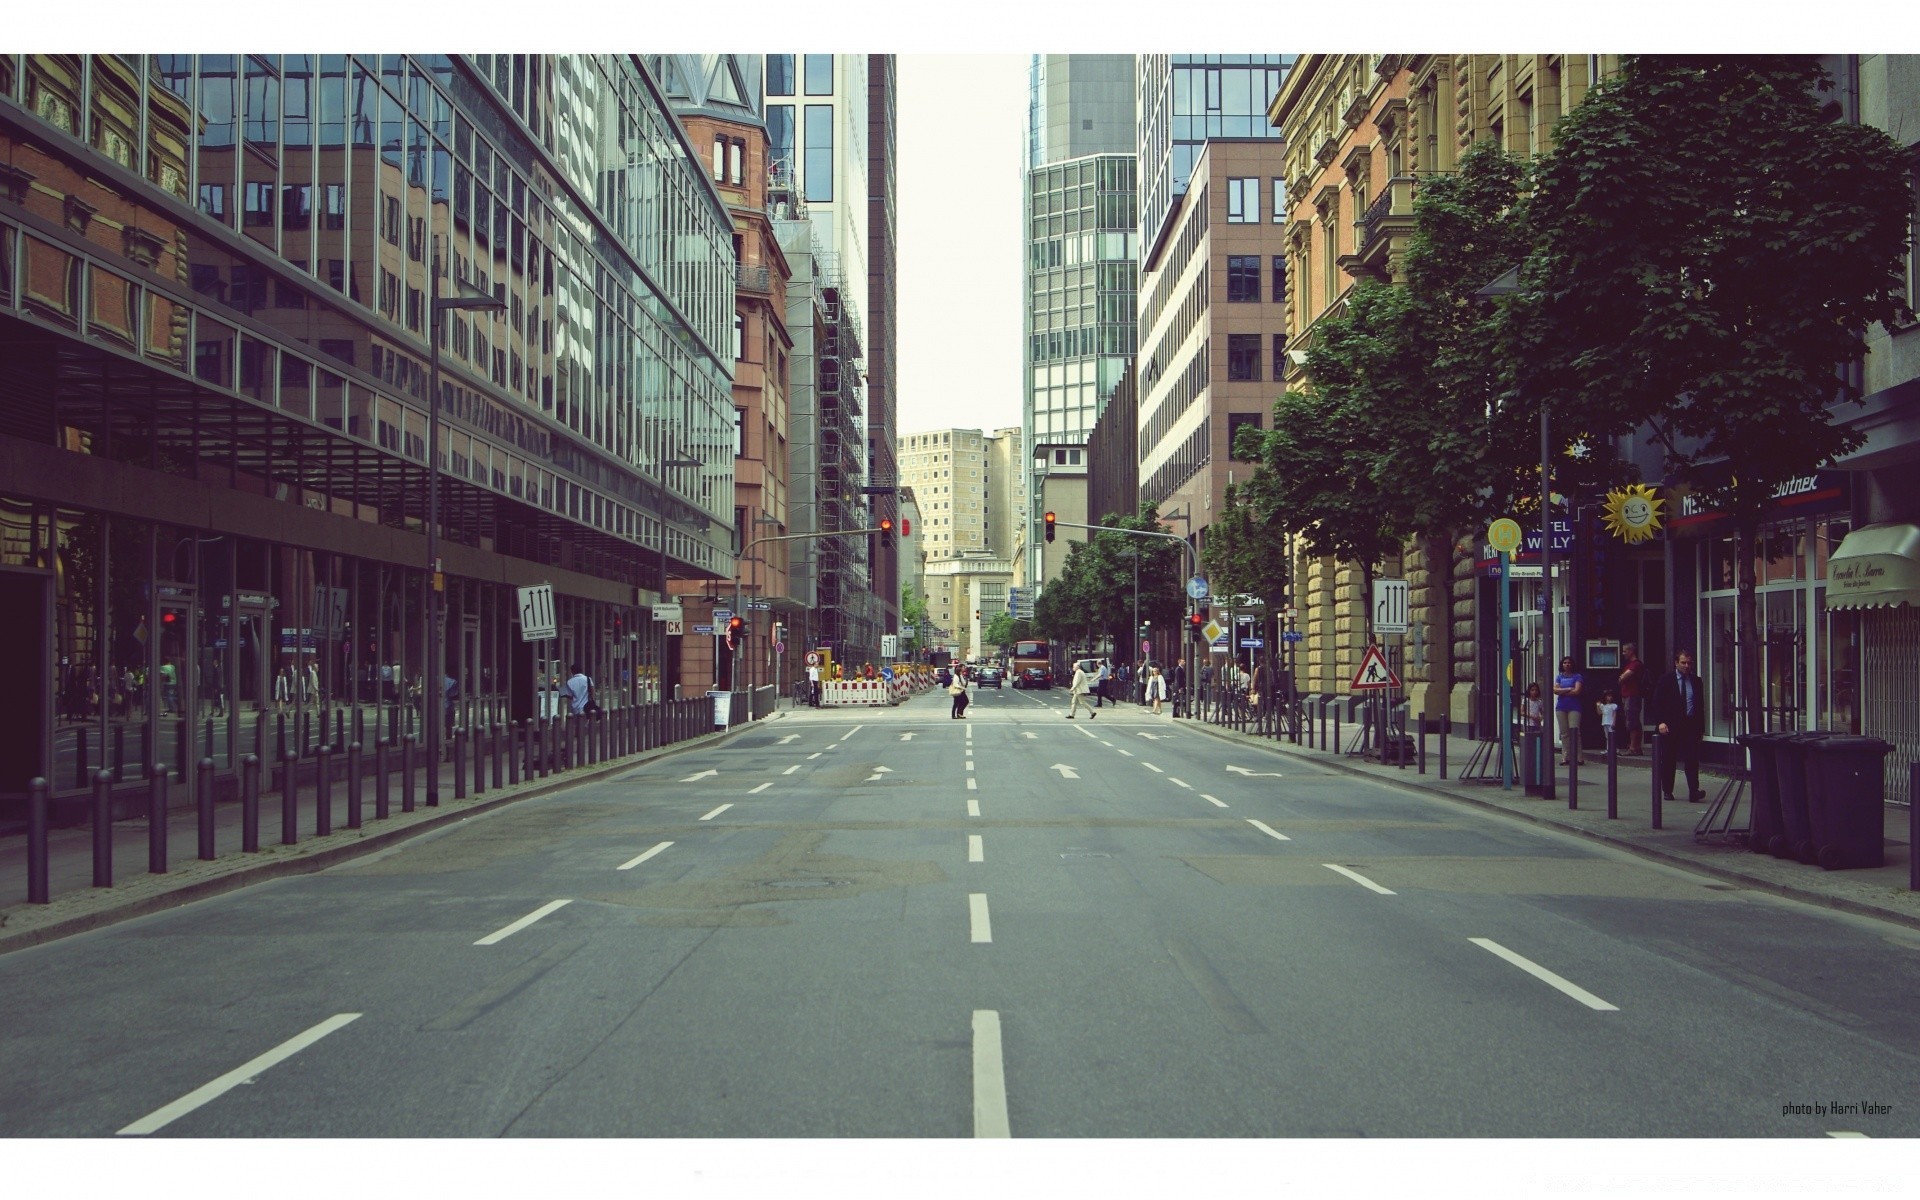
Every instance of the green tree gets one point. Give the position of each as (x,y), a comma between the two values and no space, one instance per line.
(1245,554)
(913,615)
(1711,243)
(1111,559)
(1004,631)
(1064,611)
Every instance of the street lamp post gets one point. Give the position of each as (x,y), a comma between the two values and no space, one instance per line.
(473,301)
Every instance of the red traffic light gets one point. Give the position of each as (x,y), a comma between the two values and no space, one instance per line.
(1050,526)
(886,526)
(1197,619)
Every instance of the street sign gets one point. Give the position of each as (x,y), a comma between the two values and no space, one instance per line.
(1562,538)
(759,605)
(669,612)
(676,629)
(1504,535)
(721,614)
(813,658)
(330,609)
(779,647)
(1214,631)
(1146,647)
(1253,643)
(536,613)
(1243,618)
(1197,589)
(1391,602)
(1293,635)
(1373,672)
(703,629)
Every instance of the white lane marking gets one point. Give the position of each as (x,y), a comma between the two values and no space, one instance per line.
(1263,827)
(1545,976)
(976,848)
(763,787)
(1066,772)
(1128,753)
(716,812)
(631,863)
(814,755)
(1105,742)
(1256,774)
(1179,783)
(969,751)
(977,912)
(161,1117)
(973,806)
(695,778)
(1156,770)
(1844,1133)
(792,737)
(971,785)
(502,934)
(1024,733)
(1216,800)
(849,733)
(790,770)
(989,1077)
(969,764)
(1090,733)
(1358,878)
(907,736)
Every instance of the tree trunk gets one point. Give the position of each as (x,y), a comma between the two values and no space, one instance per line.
(1746,637)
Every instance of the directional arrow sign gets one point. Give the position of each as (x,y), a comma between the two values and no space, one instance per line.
(1066,772)
(1157,737)
(883,770)
(792,737)
(1256,774)
(700,776)
(906,737)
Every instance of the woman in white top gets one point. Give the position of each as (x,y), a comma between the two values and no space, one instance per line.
(1156,688)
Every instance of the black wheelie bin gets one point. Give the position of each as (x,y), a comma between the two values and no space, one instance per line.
(1795,839)
(1764,770)
(1846,792)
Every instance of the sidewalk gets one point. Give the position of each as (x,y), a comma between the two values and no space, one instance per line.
(78,906)
(1870,891)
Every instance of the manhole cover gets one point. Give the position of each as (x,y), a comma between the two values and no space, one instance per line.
(805,883)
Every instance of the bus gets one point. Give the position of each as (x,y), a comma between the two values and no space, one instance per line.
(1033,652)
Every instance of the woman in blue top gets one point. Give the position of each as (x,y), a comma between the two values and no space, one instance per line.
(1566,708)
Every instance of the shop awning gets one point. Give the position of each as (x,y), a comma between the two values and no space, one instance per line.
(1876,566)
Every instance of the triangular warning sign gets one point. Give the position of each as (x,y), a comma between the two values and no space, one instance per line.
(1373,672)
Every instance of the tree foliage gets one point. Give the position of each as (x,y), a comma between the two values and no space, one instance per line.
(1094,594)
(1245,555)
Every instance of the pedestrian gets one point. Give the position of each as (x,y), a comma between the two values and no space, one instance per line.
(170,686)
(813,685)
(1083,679)
(1257,686)
(1566,711)
(1609,713)
(1103,683)
(1632,692)
(1532,715)
(1156,689)
(958,690)
(1677,708)
(579,691)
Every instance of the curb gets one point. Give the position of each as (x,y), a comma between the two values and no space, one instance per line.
(1650,853)
(346,844)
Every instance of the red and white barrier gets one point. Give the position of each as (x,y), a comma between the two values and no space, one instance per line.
(856,693)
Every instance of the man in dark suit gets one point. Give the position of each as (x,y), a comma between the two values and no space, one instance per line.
(1678,709)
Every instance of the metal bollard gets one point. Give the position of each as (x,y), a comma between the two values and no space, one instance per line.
(260,735)
(406,773)
(1659,756)
(339,727)
(80,775)
(479,760)
(250,803)
(1423,744)
(119,762)
(1445,730)
(382,809)
(353,785)
(1613,777)
(460,763)
(103,828)
(209,750)
(157,821)
(496,735)
(323,792)
(1573,784)
(1913,827)
(513,752)
(37,789)
(203,802)
(289,806)
(1336,731)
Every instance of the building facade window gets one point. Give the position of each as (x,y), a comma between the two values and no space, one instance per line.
(1279,201)
(780,142)
(819,74)
(779,74)
(1279,356)
(1243,356)
(1243,278)
(1279,279)
(1243,201)
(819,159)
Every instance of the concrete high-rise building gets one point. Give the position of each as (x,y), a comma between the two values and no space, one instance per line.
(947,469)
(1081,247)
(883,427)
(1007,497)
(1184,99)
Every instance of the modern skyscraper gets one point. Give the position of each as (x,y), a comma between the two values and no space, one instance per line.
(1184,100)
(1081,272)
(883,428)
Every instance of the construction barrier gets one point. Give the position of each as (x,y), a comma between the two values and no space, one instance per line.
(856,693)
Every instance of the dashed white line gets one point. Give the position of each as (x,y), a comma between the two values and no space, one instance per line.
(969,764)
(1215,800)
(971,785)
(1156,770)
(973,806)
(502,934)
(849,733)
(989,1077)
(1128,753)
(1844,1133)
(763,787)
(1105,742)
(814,755)
(1263,827)
(161,1117)
(716,812)
(1179,783)
(1358,878)
(981,924)
(1545,976)
(790,770)
(631,863)
(976,848)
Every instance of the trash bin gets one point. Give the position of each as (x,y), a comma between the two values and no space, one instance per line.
(1534,767)
(1845,794)
(1765,774)
(1795,839)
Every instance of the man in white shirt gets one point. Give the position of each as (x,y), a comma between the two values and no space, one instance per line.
(813,684)
(579,688)
(1100,684)
(1083,678)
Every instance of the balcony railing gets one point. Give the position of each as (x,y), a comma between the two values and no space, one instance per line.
(758,280)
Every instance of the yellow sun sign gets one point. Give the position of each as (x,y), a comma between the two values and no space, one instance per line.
(1633,513)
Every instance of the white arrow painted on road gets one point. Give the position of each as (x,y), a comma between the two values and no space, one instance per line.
(792,737)
(1024,733)
(1256,774)
(1066,772)
(700,776)
(908,736)
(878,772)
(1156,737)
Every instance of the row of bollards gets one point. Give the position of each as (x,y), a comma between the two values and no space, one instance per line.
(492,755)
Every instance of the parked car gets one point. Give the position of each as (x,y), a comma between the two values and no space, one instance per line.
(944,676)
(1034,677)
(989,677)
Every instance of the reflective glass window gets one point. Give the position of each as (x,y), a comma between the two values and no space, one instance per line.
(779,74)
(819,74)
(819,152)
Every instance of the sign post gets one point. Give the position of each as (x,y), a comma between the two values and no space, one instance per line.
(1504,536)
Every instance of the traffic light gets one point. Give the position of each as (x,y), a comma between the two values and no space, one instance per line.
(976,614)
(1197,619)
(886,527)
(1050,526)
(736,630)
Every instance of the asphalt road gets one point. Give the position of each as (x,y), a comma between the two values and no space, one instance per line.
(888,923)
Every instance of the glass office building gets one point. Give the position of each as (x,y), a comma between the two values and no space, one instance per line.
(217,276)
(1184,100)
